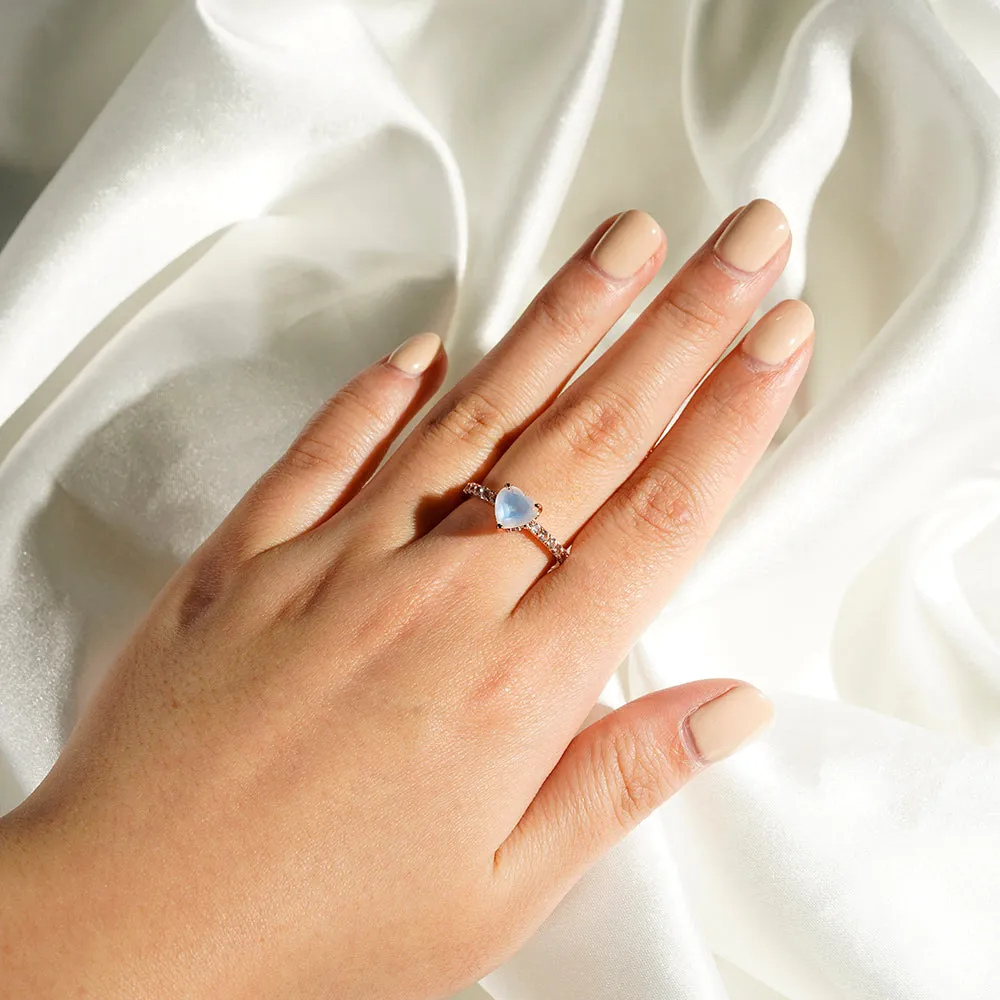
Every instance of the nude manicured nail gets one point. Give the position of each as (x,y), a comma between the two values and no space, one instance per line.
(754,236)
(721,726)
(627,245)
(414,356)
(779,333)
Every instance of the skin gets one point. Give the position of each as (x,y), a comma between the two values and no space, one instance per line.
(342,754)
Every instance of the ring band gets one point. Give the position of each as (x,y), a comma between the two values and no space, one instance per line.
(517,512)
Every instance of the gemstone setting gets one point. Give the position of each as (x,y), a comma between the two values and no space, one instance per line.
(559,552)
(513,508)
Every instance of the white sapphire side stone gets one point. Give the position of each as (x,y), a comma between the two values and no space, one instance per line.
(513,509)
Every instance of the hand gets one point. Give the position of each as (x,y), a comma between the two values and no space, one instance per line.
(340,757)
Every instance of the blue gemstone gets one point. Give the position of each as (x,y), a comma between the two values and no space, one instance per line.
(513,509)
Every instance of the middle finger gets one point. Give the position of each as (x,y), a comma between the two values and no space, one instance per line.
(584,446)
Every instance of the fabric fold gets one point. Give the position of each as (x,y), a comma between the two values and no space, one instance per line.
(251,200)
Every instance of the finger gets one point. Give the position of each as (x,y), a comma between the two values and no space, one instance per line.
(616,772)
(577,453)
(472,424)
(637,547)
(339,448)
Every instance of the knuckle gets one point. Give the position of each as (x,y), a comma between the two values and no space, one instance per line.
(729,417)
(208,581)
(491,690)
(342,427)
(669,504)
(360,400)
(561,315)
(312,450)
(497,682)
(637,776)
(692,314)
(200,596)
(600,426)
(735,411)
(735,432)
(471,419)
(294,603)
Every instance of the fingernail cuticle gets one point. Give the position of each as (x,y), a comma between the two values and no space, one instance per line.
(753,237)
(632,239)
(414,356)
(721,726)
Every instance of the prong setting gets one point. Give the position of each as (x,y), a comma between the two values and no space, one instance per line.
(559,552)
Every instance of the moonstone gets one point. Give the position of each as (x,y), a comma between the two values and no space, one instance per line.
(513,509)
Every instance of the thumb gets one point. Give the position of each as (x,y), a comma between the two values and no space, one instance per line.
(617,771)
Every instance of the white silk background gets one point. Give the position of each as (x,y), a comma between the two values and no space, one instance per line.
(219,209)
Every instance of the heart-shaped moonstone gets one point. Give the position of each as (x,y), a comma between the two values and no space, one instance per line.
(513,509)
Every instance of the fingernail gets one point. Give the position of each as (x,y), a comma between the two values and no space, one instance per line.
(777,334)
(721,726)
(414,356)
(754,236)
(627,245)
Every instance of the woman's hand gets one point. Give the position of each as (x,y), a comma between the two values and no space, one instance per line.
(340,757)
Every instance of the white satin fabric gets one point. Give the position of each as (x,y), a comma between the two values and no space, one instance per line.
(229,206)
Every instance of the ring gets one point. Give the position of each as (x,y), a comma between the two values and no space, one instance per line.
(515,511)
